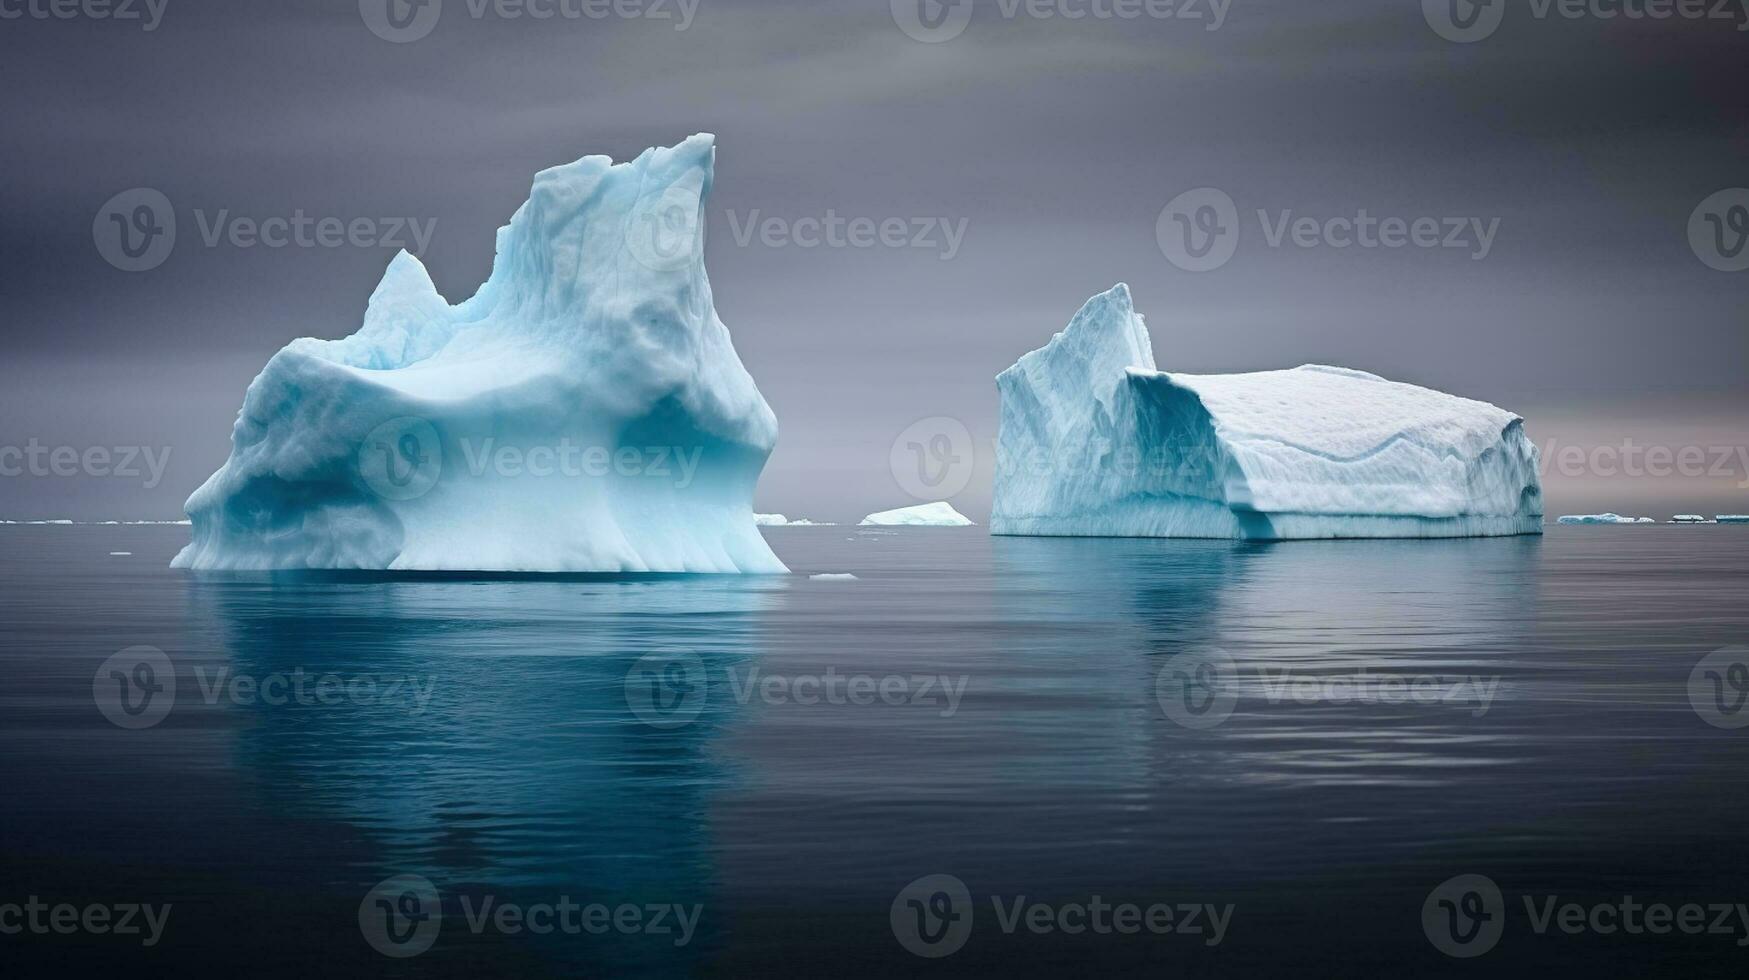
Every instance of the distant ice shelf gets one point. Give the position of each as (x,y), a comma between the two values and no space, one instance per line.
(778,520)
(1602,519)
(938,514)
(1691,519)
(1733,518)
(1093,440)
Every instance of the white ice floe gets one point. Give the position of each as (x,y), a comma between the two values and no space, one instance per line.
(938,514)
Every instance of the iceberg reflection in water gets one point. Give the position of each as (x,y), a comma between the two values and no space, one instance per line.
(1031,741)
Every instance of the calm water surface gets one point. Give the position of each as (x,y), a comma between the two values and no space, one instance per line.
(1023,743)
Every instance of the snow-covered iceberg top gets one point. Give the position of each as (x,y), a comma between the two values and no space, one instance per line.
(584,411)
(938,514)
(1602,519)
(1094,440)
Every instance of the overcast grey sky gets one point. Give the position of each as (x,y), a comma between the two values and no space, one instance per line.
(1582,145)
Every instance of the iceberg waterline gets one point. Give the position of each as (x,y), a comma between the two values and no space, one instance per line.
(1094,440)
(584,411)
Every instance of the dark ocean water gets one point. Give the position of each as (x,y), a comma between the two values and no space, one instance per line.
(1342,728)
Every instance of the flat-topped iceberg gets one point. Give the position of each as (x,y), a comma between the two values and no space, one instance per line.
(1602,519)
(778,520)
(1732,518)
(938,514)
(1093,440)
(584,411)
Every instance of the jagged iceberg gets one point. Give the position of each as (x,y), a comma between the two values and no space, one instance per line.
(1093,440)
(584,411)
(1601,519)
(938,514)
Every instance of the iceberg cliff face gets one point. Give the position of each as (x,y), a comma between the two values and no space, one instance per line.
(584,411)
(1094,440)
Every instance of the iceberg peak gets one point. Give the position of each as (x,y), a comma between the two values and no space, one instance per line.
(584,410)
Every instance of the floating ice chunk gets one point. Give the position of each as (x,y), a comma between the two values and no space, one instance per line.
(1691,519)
(778,520)
(584,411)
(1602,519)
(1094,440)
(833,577)
(938,514)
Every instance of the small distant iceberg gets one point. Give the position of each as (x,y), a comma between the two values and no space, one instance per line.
(778,520)
(1733,518)
(832,577)
(1602,519)
(938,514)
(1691,519)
